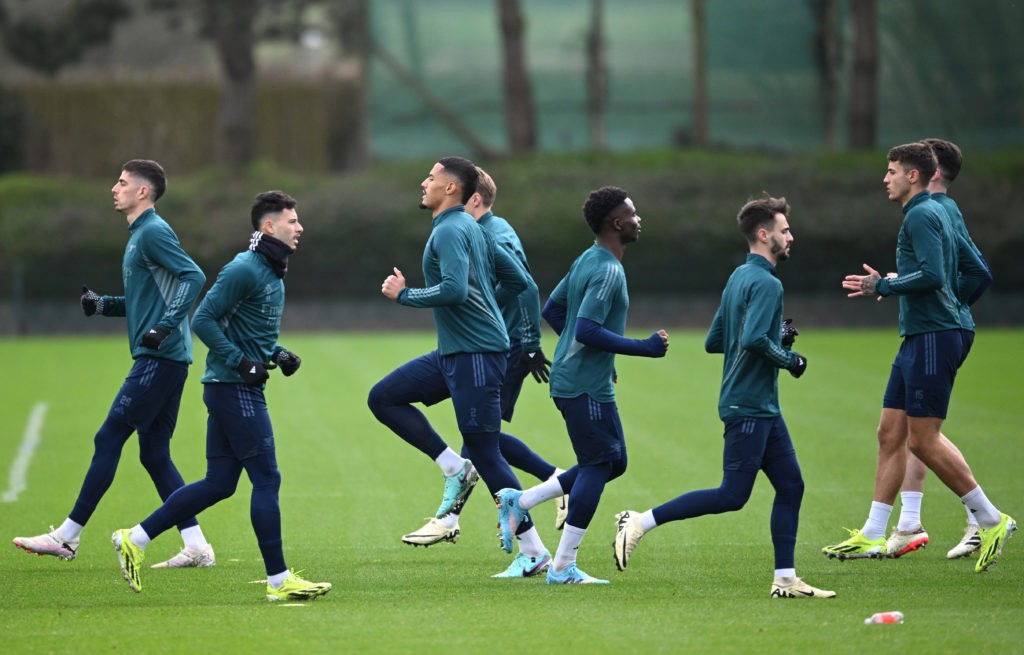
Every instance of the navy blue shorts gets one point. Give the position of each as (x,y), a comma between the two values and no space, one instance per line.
(472,380)
(594,429)
(749,442)
(149,398)
(514,377)
(237,424)
(923,372)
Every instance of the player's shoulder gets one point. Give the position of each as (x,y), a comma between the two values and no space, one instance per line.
(456,223)
(245,264)
(925,211)
(600,264)
(499,224)
(755,276)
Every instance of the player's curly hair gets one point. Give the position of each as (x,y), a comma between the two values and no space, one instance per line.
(269,202)
(600,203)
(760,213)
(916,155)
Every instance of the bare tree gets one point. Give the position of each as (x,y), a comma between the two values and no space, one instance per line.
(350,147)
(230,25)
(597,76)
(827,51)
(520,118)
(863,113)
(700,74)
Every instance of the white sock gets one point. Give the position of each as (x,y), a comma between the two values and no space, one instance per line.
(530,543)
(557,473)
(984,511)
(785,573)
(970,517)
(193,537)
(647,521)
(878,519)
(275,581)
(537,494)
(910,510)
(70,530)
(449,461)
(449,520)
(567,547)
(139,537)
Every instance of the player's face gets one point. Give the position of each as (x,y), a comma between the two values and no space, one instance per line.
(285,227)
(780,238)
(625,218)
(897,182)
(434,187)
(127,192)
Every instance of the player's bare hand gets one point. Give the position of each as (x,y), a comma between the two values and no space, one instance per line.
(664,338)
(393,284)
(862,285)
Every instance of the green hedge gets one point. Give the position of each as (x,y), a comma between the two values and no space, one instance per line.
(358,226)
(80,128)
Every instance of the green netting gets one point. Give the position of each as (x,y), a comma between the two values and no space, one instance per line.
(947,67)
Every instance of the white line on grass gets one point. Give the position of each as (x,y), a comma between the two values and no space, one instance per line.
(29,442)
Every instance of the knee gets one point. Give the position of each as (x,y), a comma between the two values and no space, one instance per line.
(891,436)
(221,489)
(791,491)
(618,467)
(155,458)
(733,498)
(381,398)
(111,437)
(484,454)
(269,481)
(375,400)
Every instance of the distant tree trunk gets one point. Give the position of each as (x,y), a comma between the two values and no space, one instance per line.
(597,76)
(231,27)
(350,147)
(700,74)
(827,54)
(863,115)
(520,119)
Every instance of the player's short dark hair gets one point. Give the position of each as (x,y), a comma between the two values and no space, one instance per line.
(915,155)
(464,171)
(949,157)
(270,202)
(151,172)
(600,203)
(486,187)
(760,213)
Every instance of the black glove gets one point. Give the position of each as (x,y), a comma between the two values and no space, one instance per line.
(252,372)
(288,361)
(154,338)
(535,362)
(800,366)
(92,302)
(788,333)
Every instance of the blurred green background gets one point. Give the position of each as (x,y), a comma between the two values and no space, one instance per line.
(347,103)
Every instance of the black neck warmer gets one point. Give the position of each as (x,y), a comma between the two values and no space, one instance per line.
(273,249)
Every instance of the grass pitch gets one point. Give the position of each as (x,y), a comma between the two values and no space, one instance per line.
(351,489)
